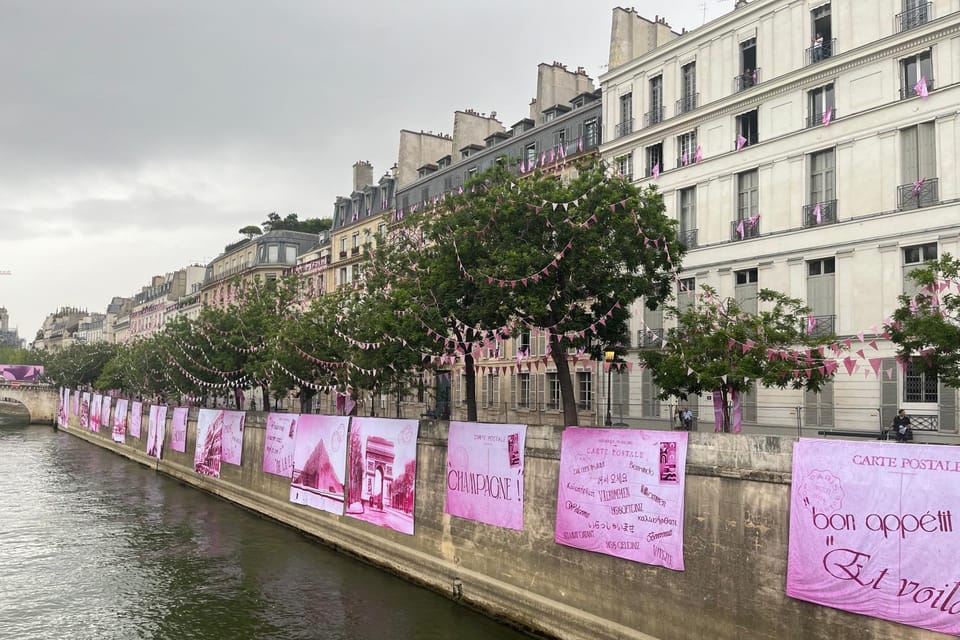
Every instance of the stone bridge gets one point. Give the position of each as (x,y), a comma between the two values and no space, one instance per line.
(40,400)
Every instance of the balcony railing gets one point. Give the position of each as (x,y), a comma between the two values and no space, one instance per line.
(355,251)
(688,237)
(624,128)
(343,254)
(818,53)
(815,119)
(914,17)
(653,116)
(922,193)
(746,80)
(827,213)
(649,338)
(688,103)
(907,92)
(648,170)
(744,229)
(822,325)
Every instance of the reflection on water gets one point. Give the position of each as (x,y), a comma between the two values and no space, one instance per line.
(93,546)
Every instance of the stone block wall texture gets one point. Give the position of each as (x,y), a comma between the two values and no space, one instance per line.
(735,545)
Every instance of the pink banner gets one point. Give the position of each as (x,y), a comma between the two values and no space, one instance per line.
(63,407)
(871,530)
(119,430)
(76,402)
(737,411)
(105,411)
(136,418)
(718,411)
(178,429)
(156,429)
(209,451)
(232,434)
(621,494)
(85,411)
(382,472)
(21,372)
(319,461)
(485,473)
(96,405)
(279,443)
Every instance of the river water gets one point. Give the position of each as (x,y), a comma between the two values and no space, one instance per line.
(94,546)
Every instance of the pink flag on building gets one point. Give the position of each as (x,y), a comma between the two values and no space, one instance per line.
(656,171)
(698,154)
(871,530)
(685,159)
(740,229)
(741,142)
(818,214)
(485,473)
(827,117)
(921,87)
(620,493)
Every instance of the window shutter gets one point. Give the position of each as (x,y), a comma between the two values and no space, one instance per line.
(513,346)
(888,393)
(541,390)
(513,390)
(927,150)
(910,169)
(948,408)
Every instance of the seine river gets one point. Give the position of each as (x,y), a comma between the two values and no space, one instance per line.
(93,546)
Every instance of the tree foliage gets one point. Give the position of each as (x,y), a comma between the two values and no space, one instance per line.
(926,326)
(293,223)
(717,347)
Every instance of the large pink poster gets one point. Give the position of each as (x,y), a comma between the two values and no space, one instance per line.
(95,406)
(209,451)
(178,429)
(119,430)
(105,411)
(136,418)
(85,411)
(279,444)
(76,402)
(319,460)
(484,473)
(232,435)
(382,472)
(63,407)
(621,493)
(871,530)
(156,428)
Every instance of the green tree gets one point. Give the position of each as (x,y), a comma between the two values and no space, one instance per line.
(250,231)
(293,223)
(78,365)
(926,326)
(717,347)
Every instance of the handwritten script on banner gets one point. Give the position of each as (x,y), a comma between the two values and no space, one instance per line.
(485,473)
(621,494)
(872,530)
(178,429)
(278,443)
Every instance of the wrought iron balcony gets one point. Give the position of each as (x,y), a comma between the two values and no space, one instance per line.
(907,92)
(915,17)
(746,80)
(653,116)
(922,193)
(688,103)
(343,254)
(624,128)
(744,229)
(815,119)
(828,213)
(355,251)
(688,237)
(818,53)
(823,325)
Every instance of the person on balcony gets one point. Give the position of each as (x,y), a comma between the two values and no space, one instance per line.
(818,48)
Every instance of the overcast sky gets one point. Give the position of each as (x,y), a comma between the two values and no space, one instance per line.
(138,136)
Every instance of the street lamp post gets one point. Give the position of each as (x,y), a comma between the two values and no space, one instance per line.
(609,356)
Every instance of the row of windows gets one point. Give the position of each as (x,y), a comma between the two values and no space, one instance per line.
(917,174)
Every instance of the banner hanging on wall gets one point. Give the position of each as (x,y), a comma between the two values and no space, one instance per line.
(382,472)
(178,429)
(872,531)
(136,418)
(105,411)
(209,451)
(621,493)
(85,411)
(156,428)
(95,406)
(119,430)
(279,443)
(232,435)
(319,461)
(484,473)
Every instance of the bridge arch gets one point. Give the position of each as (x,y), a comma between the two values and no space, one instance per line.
(40,400)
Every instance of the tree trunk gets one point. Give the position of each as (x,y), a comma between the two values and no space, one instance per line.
(266,397)
(306,399)
(571,417)
(470,380)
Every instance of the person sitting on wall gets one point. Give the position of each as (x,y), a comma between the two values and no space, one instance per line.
(901,426)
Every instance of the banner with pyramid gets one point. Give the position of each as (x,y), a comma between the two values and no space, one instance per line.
(319,461)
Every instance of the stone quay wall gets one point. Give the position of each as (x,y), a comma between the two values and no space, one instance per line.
(735,548)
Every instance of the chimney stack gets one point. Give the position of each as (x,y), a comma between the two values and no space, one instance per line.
(362,175)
